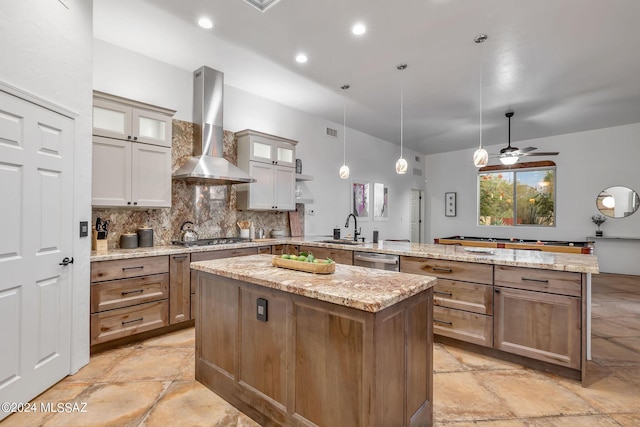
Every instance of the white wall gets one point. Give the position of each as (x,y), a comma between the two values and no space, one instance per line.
(369,158)
(588,163)
(47,52)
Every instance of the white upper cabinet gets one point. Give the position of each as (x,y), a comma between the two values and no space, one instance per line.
(270,160)
(268,148)
(119,118)
(131,153)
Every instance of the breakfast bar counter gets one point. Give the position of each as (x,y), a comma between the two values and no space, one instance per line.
(294,348)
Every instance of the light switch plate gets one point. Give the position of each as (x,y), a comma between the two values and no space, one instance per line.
(261,310)
(84,228)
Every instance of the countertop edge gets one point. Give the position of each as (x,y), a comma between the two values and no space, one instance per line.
(414,250)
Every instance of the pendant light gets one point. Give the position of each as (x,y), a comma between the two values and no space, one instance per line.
(401,164)
(344,169)
(480,157)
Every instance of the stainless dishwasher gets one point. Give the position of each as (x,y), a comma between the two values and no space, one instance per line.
(379,261)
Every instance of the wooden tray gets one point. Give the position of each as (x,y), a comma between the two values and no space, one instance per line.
(309,267)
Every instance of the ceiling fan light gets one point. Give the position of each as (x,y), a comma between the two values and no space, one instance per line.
(401,166)
(508,160)
(344,171)
(480,157)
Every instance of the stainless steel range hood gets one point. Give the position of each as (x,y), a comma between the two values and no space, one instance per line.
(207,166)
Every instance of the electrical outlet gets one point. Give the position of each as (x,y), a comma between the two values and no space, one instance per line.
(261,310)
(311,211)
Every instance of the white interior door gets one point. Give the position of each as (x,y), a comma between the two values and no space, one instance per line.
(36,192)
(416,216)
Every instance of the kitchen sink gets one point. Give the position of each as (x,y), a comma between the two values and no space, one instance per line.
(341,242)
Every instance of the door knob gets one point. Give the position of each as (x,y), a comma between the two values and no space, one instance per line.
(66,261)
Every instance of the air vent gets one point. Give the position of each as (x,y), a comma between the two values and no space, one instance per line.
(417,172)
(418,159)
(262,5)
(333,133)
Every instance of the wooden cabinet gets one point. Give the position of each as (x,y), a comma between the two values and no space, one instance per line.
(341,256)
(463,297)
(207,255)
(271,161)
(128,297)
(313,363)
(115,117)
(179,288)
(131,154)
(537,314)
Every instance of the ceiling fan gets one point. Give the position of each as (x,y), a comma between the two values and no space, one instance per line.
(510,155)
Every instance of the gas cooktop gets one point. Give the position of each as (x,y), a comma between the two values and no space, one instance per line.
(211,241)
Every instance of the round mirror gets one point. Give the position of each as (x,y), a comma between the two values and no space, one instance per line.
(617,202)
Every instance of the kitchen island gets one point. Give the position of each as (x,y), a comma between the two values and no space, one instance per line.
(293,348)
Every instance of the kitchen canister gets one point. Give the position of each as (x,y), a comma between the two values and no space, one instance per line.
(145,237)
(128,241)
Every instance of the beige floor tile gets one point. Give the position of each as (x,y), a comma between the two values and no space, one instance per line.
(617,309)
(608,353)
(631,373)
(483,423)
(616,327)
(610,395)
(182,338)
(475,361)
(108,405)
(632,343)
(60,393)
(443,361)
(188,372)
(151,363)
(459,396)
(627,420)
(189,403)
(100,365)
(531,394)
(573,421)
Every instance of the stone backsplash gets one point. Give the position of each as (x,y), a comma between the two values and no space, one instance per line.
(211,208)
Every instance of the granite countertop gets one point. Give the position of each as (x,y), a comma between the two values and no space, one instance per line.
(580,263)
(355,287)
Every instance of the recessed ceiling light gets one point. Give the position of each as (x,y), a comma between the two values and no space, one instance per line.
(301,58)
(205,23)
(359,29)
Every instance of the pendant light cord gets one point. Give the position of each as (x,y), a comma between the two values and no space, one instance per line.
(481,70)
(401,115)
(344,133)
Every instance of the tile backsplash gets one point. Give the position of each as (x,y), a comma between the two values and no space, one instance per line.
(211,208)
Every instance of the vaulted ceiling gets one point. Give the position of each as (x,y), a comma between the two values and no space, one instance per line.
(562,65)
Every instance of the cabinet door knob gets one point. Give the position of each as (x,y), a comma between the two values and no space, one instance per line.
(128,203)
(135,138)
(128,136)
(497,291)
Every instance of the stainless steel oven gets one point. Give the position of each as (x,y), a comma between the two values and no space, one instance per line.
(375,260)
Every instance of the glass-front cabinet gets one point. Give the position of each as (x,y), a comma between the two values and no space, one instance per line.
(131,153)
(270,160)
(136,122)
(269,149)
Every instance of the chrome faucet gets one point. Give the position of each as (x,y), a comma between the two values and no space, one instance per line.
(356,232)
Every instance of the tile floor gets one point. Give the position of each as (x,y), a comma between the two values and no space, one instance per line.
(152,383)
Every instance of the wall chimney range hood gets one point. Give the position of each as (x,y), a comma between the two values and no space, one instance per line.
(207,166)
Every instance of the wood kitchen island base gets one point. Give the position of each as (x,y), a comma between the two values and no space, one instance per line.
(314,363)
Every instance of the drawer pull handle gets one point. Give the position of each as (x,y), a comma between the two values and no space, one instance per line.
(443,270)
(180,257)
(444,322)
(132,268)
(133,292)
(529,279)
(449,294)
(126,322)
